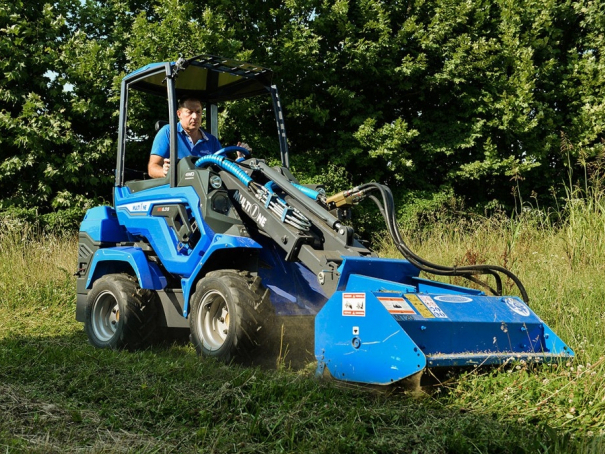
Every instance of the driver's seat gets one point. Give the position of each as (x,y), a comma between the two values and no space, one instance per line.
(159,124)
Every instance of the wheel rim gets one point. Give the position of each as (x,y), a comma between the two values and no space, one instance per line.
(213,321)
(105,316)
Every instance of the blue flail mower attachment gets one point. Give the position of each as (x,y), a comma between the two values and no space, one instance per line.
(385,324)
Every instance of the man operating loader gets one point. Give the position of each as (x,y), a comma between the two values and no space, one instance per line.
(192,140)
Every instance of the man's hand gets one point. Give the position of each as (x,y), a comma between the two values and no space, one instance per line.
(166,166)
(243,145)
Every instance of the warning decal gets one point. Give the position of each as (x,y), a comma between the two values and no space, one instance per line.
(396,305)
(432,305)
(354,304)
(419,305)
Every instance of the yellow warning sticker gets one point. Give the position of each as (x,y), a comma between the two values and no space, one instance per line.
(396,305)
(419,305)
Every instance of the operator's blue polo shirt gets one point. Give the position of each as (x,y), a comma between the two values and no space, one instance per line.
(208,144)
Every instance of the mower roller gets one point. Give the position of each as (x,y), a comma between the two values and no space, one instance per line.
(238,254)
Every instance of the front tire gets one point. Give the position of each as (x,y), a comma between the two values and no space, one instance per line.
(119,314)
(230,316)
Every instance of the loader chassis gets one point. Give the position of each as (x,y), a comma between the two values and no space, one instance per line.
(244,256)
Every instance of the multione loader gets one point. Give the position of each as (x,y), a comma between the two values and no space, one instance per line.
(232,249)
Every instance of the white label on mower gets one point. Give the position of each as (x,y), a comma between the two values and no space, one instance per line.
(396,305)
(354,304)
(453,299)
(356,331)
(432,306)
(517,306)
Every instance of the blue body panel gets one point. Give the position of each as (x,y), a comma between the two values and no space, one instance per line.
(134,213)
(101,224)
(294,289)
(218,242)
(148,273)
(449,325)
(398,271)
(368,349)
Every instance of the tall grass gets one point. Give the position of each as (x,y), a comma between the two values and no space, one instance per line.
(58,394)
(36,271)
(560,257)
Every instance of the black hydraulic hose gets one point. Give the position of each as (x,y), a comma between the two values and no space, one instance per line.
(468,272)
(412,257)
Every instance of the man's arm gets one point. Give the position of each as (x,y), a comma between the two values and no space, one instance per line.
(157,166)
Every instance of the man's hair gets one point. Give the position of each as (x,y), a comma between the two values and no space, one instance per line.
(184,99)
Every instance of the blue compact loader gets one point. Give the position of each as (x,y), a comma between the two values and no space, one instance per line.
(237,254)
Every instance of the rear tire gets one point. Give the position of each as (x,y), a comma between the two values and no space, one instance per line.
(230,316)
(119,314)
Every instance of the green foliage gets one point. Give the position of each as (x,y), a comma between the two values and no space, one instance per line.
(55,131)
(418,95)
(426,210)
(63,221)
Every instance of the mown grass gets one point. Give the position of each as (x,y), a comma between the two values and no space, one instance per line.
(58,394)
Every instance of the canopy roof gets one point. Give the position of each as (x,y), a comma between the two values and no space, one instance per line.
(211,79)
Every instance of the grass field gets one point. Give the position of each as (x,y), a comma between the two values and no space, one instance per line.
(58,394)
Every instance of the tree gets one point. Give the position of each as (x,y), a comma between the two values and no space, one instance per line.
(58,111)
(33,132)
(438,97)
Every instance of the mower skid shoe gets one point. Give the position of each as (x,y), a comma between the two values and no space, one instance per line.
(358,340)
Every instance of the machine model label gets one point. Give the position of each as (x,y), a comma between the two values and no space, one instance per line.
(396,305)
(143,207)
(517,306)
(354,304)
(419,305)
(436,310)
(138,207)
(452,299)
(251,209)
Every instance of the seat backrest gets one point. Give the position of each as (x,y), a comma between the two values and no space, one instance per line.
(159,124)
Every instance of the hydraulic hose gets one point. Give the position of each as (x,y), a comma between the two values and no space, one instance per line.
(225,164)
(297,194)
(311,193)
(265,193)
(387,209)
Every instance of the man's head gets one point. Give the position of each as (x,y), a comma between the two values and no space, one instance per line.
(190,114)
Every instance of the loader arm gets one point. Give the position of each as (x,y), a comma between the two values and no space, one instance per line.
(304,230)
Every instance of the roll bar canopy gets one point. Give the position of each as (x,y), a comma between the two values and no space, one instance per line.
(209,78)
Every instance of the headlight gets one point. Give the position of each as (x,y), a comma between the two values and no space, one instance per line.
(215,181)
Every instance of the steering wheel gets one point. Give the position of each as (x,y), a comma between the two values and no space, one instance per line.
(225,150)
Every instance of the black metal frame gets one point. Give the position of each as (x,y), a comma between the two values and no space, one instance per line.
(252,81)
